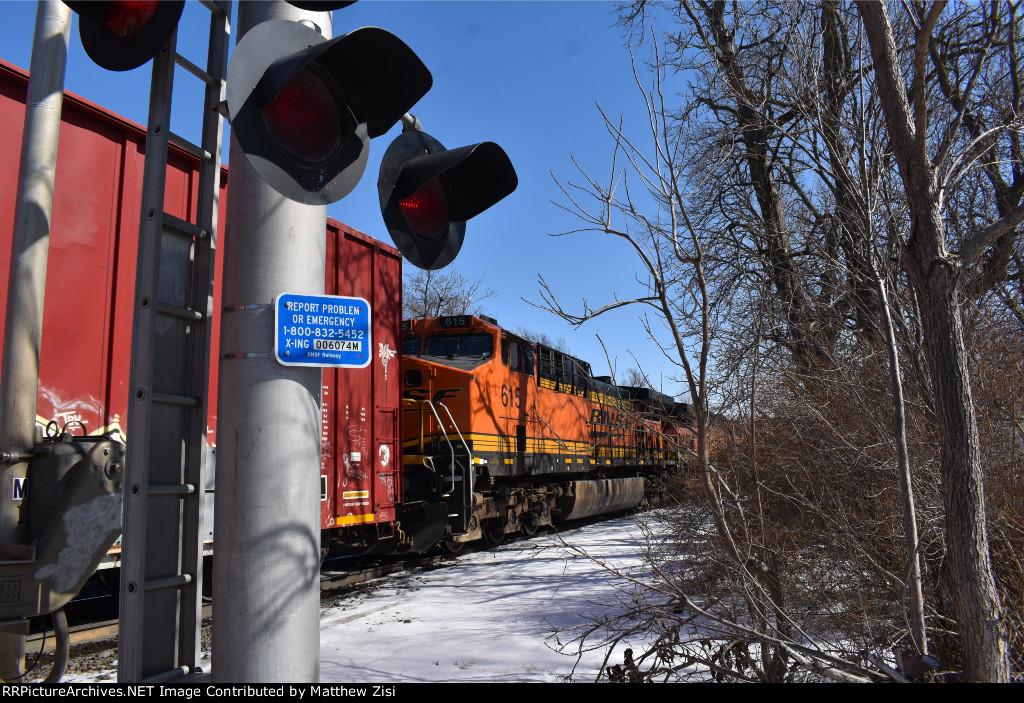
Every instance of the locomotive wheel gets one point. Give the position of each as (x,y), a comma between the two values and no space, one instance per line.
(453,547)
(494,531)
(528,528)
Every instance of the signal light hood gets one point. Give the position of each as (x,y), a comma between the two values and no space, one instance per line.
(473,179)
(374,79)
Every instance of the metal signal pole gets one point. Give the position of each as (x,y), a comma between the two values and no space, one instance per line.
(26,286)
(267,510)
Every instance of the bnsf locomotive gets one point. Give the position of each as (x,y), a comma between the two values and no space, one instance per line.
(501,435)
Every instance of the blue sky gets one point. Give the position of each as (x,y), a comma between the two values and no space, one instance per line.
(523,74)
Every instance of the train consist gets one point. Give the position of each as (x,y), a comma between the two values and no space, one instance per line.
(501,435)
(455,429)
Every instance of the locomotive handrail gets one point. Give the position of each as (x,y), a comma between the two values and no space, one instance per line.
(467,485)
(440,424)
(469,452)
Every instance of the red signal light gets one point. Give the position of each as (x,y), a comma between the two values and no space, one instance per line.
(426,210)
(122,35)
(127,18)
(304,119)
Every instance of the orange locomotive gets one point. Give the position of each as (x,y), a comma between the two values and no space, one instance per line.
(503,435)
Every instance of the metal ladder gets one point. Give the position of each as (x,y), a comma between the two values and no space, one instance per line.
(162,552)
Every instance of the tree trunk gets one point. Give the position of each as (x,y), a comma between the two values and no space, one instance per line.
(978,611)
(936,275)
(755,131)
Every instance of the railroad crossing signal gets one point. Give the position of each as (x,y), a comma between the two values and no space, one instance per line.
(304,108)
(120,36)
(428,192)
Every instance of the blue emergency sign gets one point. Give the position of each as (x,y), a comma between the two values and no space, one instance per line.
(322,330)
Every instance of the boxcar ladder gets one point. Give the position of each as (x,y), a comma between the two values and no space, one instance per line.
(162,551)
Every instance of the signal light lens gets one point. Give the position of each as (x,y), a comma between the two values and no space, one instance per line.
(426,210)
(304,118)
(124,19)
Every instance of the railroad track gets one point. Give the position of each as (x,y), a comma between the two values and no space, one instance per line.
(95,638)
(101,628)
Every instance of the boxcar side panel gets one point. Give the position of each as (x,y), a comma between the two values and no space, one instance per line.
(359,405)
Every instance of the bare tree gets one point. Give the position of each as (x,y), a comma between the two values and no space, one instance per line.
(541,338)
(446,292)
(812,267)
(938,276)
(647,204)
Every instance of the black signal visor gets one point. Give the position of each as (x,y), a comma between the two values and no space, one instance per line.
(392,78)
(481,174)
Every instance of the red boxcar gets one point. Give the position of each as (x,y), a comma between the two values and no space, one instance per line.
(90,286)
(362,462)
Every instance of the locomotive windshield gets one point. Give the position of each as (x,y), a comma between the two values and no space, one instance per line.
(462,350)
(464,345)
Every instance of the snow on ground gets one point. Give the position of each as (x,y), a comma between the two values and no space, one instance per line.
(489,616)
(485,618)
